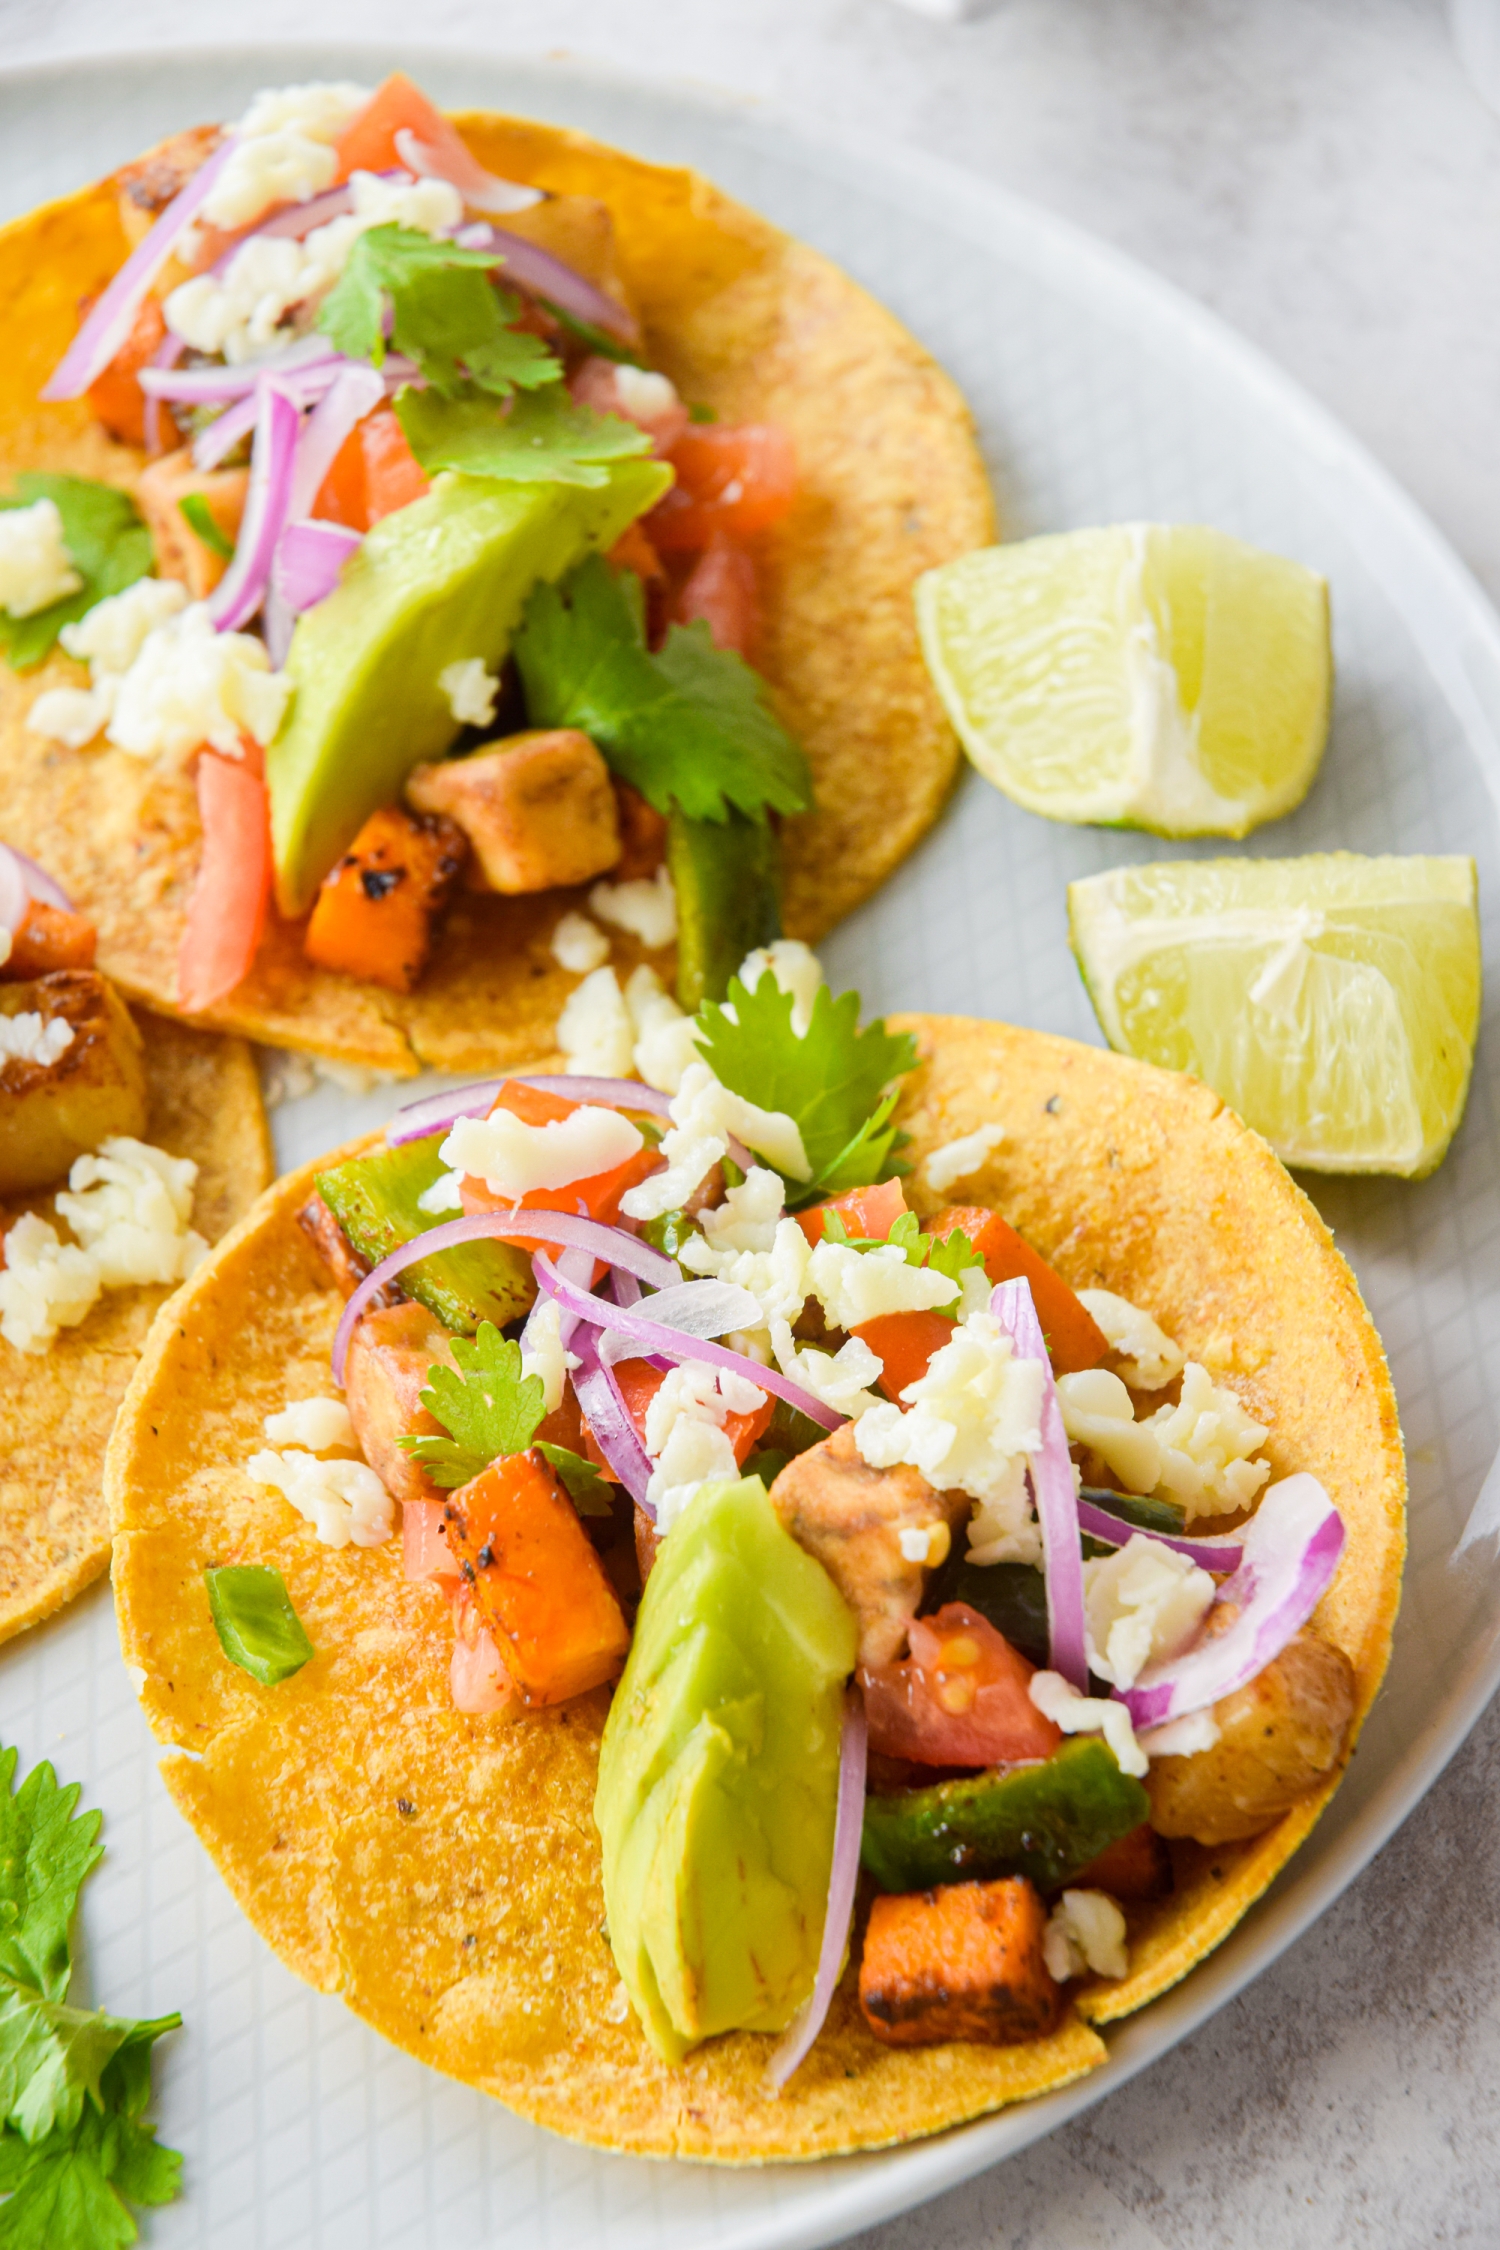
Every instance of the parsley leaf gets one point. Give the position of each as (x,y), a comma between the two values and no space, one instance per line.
(446,314)
(690,726)
(831,1081)
(489,1409)
(46,1850)
(544,438)
(110,549)
(582,1482)
(951,1254)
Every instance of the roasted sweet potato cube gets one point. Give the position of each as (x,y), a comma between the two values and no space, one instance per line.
(180,552)
(377,910)
(391,1356)
(643,835)
(144,188)
(51,1112)
(1135,1866)
(961,1962)
(537,1580)
(49,939)
(116,398)
(538,809)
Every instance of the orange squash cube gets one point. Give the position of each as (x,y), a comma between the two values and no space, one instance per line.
(377,908)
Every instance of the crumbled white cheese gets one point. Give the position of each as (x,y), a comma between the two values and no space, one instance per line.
(795,968)
(840,1379)
(685,1434)
(1181,1738)
(34,1038)
(927,1543)
(284,166)
(322,109)
(111,635)
(776,1278)
(1149,1360)
(318,1424)
(975,1411)
(704,1114)
(1206,1442)
(1058,1700)
(854,1286)
(578,944)
(514,1159)
(432,207)
(594,1030)
(643,394)
(344,1501)
(747,1219)
(182,684)
(129,1206)
(1099,1412)
(544,1353)
(471,689)
(36,569)
(45,1285)
(666,1040)
(1143,1604)
(1086,1931)
(646,908)
(1004,1527)
(445,1194)
(72,716)
(957,1160)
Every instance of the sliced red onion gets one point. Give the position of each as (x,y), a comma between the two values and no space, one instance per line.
(623,1287)
(168,352)
(304,386)
(1292,1546)
(37,882)
(1218,1553)
(602,1404)
(15,898)
(354,392)
(212,386)
(241,590)
(436,1112)
(843,1877)
(111,319)
(704,1308)
(561,1227)
(480,189)
(1056,1492)
(277,624)
(671,1344)
(573,1265)
(541,275)
(308,561)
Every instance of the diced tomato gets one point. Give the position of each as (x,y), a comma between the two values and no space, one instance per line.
(639,1383)
(369,143)
(868,1213)
(47,938)
(721,589)
(374,473)
(731,482)
(116,398)
(597,383)
(1074,1338)
(477,1679)
(634,551)
(425,1552)
(596,1198)
(904,1343)
(960,1699)
(538,1583)
(227,910)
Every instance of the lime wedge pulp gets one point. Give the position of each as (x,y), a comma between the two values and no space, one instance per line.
(1157,676)
(1332,1001)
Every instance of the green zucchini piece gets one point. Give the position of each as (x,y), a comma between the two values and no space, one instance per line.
(727,875)
(1045,1821)
(1013,1596)
(1145,1515)
(375,1200)
(257,1626)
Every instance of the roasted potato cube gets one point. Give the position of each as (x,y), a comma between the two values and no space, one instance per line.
(377,909)
(391,1356)
(643,835)
(1278,1737)
(49,939)
(51,1112)
(538,809)
(180,552)
(962,1962)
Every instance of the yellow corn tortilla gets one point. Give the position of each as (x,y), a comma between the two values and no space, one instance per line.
(441,1872)
(57,1406)
(746,321)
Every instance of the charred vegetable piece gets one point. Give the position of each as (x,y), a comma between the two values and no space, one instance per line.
(1043,1821)
(1279,1736)
(378,908)
(962,1962)
(257,1626)
(49,939)
(391,1356)
(185,550)
(1013,1596)
(1074,1338)
(344,1266)
(144,188)
(538,810)
(375,1200)
(1146,1515)
(51,1112)
(727,876)
(116,398)
(536,1580)
(643,832)
(1138,1866)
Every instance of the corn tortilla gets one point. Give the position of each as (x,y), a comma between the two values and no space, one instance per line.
(746,321)
(58,1405)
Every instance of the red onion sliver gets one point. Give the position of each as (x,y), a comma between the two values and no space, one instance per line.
(168,352)
(573,1265)
(211,386)
(843,1876)
(541,275)
(1221,1553)
(436,1112)
(37,882)
(354,392)
(110,321)
(1056,1492)
(1292,1546)
(241,590)
(15,898)
(671,1344)
(561,1227)
(308,561)
(302,385)
(480,189)
(597,1389)
(623,1287)
(277,623)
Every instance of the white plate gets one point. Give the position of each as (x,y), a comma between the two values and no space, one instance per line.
(1101,395)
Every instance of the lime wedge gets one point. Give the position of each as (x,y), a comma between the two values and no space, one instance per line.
(1157,676)
(1333,1001)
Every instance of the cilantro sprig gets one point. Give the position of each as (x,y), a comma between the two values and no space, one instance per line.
(75,2083)
(689,726)
(445,313)
(107,542)
(953,1254)
(488,1409)
(542,438)
(835,1080)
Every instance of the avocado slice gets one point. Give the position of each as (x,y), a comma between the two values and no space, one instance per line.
(718,1774)
(435,582)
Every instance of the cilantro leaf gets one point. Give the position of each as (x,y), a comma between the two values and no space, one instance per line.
(582,1482)
(832,1081)
(544,438)
(690,726)
(489,1408)
(446,314)
(951,1254)
(68,2190)
(200,518)
(46,1850)
(110,549)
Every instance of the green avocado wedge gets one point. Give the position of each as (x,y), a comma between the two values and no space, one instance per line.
(718,1775)
(434,583)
